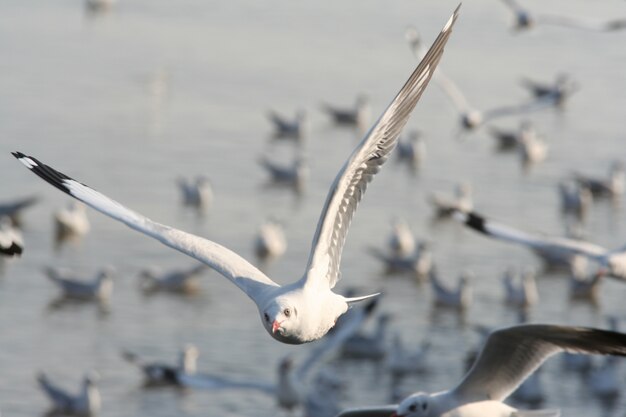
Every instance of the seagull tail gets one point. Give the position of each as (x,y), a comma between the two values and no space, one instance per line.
(351,300)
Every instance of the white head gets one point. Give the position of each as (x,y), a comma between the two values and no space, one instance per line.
(416,405)
(280,319)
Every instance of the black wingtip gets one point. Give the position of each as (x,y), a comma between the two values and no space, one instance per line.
(371,306)
(476,222)
(47,173)
(12,250)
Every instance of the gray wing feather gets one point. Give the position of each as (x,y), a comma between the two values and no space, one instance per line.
(351,182)
(510,355)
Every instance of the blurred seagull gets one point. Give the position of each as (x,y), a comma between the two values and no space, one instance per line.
(613,186)
(197,193)
(401,363)
(294,175)
(71,221)
(176,281)
(358,116)
(419,262)
(532,149)
(86,403)
(459,298)
(575,199)
(470,117)
(306,309)
(507,359)
(401,240)
(160,374)
(583,288)
(524,20)
(412,149)
(446,206)
(555,93)
(368,346)
(285,128)
(523,295)
(72,288)
(270,241)
(13,209)
(612,262)
(11,241)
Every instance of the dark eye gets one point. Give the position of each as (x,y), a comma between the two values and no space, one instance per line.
(412,407)
(287,312)
(267,317)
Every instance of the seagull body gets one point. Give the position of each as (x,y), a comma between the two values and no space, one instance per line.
(294,175)
(575,199)
(85,404)
(524,20)
(523,295)
(458,298)
(72,288)
(509,356)
(197,193)
(306,309)
(401,240)
(358,116)
(420,262)
(270,242)
(72,221)
(532,149)
(284,128)
(176,281)
(446,206)
(613,186)
(368,346)
(11,241)
(612,263)
(160,374)
(555,93)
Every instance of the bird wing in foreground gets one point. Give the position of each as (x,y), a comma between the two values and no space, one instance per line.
(366,160)
(503,232)
(513,353)
(243,274)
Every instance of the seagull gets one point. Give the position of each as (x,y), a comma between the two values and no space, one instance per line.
(306,309)
(507,359)
(575,199)
(291,385)
(459,298)
(401,363)
(197,193)
(555,93)
(72,288)
(71,221)
(612,262)
(446,206)
(285,128)
(11,241)
(368,346)
(412,149)
(294,175)
(161,374)
(85,404)
(525,294)
(176,281)
(470,117)
(358,116)
(270,242)
(508,140)
(525,20)
(532,149)
(613,186)
(419,262)
(401,240)
(583,288)
(13,209)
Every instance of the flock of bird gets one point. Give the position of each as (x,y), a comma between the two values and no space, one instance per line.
(308,310)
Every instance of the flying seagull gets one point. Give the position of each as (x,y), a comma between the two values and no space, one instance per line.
(306,309)
(612,262)
(509,356)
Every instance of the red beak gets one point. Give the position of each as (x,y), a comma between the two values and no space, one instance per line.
(275,326)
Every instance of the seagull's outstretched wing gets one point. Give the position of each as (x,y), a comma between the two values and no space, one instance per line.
(243,274)
(376,411)
(510,355)
(366,160)
(502,232)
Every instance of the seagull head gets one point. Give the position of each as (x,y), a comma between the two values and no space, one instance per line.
(416,405)
(280,319)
